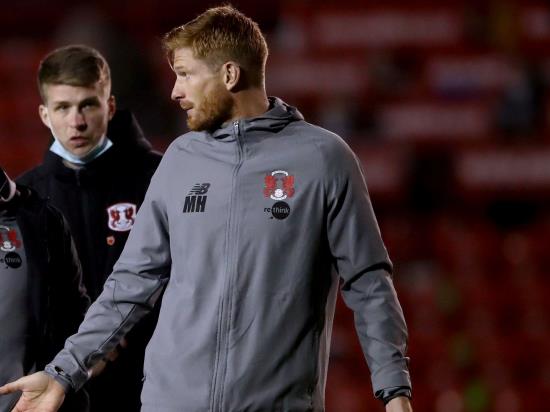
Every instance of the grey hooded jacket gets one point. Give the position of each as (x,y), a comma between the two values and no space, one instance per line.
(242,229)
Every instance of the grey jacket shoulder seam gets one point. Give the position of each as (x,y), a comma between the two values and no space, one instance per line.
(322,157)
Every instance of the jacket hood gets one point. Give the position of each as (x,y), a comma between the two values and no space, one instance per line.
(277,117)
(124,130)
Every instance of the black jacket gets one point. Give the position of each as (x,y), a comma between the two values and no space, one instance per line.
(58,300)
(119,176)
(88,197)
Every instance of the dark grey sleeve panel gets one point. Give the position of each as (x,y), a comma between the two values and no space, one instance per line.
(353,233)
(130,292)
(362,261)
(380,326)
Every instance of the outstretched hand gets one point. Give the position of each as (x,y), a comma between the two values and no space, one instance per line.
(41,393)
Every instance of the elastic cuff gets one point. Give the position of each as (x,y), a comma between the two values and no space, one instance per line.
(61,377)
(386,395)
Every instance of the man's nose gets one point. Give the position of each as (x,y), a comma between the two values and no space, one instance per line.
(177,92)
(77,120)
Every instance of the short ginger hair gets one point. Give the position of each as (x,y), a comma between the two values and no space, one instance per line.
(222,34)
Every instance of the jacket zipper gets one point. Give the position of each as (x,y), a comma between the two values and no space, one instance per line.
(85,210)
(224,324)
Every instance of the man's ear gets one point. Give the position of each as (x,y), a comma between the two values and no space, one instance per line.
(44,115)
(112,106)
(231,73)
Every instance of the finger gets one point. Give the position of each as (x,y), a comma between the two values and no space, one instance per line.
(10,387)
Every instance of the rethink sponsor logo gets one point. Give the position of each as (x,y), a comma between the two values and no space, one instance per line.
(12,260)
(195,201)
(279,211)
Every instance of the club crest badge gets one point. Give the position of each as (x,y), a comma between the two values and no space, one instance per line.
(279,185)
(8,239)
(121,216)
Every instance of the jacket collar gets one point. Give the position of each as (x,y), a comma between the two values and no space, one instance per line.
(277,117)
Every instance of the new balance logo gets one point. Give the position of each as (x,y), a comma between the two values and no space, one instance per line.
(195,201)
(200,189)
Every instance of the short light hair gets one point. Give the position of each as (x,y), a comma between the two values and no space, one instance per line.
(222,34)
(73,65)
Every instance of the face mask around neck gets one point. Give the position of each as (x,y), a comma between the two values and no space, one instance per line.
(104,144)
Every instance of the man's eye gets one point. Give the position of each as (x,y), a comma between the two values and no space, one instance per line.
(89,105)
(61,108)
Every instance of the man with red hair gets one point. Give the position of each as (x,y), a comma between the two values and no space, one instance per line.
(247,221)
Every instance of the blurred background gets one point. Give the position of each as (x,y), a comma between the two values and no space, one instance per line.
(446,103)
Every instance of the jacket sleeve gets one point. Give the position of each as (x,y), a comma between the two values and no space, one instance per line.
(130,292)
(361,260)
(67,298)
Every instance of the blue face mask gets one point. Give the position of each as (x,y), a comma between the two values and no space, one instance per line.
(103,145)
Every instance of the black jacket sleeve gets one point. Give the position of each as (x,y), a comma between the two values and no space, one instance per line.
(67,299)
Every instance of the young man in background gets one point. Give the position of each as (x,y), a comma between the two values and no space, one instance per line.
(96,172)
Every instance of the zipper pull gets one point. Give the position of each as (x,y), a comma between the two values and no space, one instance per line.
(77,175)
(236,127)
